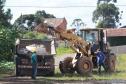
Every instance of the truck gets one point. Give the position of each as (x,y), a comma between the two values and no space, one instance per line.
(45,55)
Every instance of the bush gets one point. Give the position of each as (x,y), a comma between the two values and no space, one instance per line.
(6,67)
(35,35)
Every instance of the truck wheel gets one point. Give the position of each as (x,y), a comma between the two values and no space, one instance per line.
(17,69)
(84,66)
(112,63)
(52,67)
(66,66)
(49,62)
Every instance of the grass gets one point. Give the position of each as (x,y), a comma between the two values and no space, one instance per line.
(4,75)
(6,67)
(119,74)
(63,50)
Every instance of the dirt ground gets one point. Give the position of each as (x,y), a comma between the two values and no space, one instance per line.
(28,80)
(39,80)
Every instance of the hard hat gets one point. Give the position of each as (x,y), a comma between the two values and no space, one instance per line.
(33,49)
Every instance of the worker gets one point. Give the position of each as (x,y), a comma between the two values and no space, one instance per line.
(100,60)
(34,63)
(94,47)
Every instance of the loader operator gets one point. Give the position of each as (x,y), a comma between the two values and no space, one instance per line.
(34,63)
(100,60)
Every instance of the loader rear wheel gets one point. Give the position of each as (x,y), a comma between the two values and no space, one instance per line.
(112,63)
(66,66)
(84,66)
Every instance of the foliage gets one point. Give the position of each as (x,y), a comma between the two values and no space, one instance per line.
(29,21)
(106,15)
(35,35)
(78,24)
(106,1)
(7,33)
(6,67)
(5,16)
(7,42)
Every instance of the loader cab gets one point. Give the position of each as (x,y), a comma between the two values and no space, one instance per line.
(94,36)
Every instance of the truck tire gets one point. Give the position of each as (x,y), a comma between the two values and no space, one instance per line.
(84,66)
(49,60)
(66,66)
(17,69)
(52,71)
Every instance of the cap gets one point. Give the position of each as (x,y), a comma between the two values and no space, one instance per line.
(33,49)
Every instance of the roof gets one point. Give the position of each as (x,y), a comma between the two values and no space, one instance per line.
(40,28)
(111,32)
(55,21)
(93,29)
(123,26)
(116,32)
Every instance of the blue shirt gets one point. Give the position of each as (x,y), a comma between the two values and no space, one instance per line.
(34,58)
(94,47)
(100,57)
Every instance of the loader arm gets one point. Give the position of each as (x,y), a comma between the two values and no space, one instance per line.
(75,41)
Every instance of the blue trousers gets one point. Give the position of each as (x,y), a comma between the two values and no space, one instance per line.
(99,67)
(34,71)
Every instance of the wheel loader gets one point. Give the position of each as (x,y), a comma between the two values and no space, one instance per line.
(84,61)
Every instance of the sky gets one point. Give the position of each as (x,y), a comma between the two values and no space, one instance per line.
(70,9)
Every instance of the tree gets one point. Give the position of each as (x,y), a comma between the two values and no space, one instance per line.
(78,23)
(29,21)
(5,16)
(7,42)
(106,15)
(8,34)
(106,1)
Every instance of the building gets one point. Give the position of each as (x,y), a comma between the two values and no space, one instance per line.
(57,23)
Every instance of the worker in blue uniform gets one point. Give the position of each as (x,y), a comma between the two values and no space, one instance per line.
(100,60)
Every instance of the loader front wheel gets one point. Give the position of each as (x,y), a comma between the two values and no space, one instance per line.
(66,66)
(84,66)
